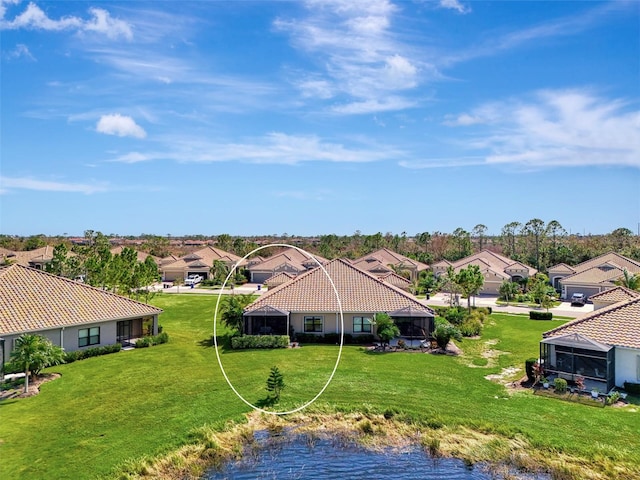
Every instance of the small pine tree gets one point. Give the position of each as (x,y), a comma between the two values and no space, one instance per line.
(275,384)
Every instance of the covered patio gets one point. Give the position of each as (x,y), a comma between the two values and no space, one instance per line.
(573,355)
(266,320)
(413,322)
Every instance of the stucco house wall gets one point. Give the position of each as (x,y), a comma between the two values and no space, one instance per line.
(627,365)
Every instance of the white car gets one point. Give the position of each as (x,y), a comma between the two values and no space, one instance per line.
(193,279)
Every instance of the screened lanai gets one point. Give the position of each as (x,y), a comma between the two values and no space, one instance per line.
(569,356)
(266,320)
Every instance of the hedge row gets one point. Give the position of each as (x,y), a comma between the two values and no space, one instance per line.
(150,341)
(535,315)
(442,311)
(70,357)
(260,341)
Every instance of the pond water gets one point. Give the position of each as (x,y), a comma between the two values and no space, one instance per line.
(291,457)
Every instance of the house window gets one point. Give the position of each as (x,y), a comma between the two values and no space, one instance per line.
(313,324)
(88,336)
(362,325)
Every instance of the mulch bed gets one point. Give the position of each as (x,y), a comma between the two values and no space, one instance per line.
(34,387)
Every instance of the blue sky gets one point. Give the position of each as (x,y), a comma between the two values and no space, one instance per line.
(318,117)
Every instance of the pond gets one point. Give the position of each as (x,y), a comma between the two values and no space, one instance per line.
(305,456)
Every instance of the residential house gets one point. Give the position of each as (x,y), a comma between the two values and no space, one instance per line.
(593,276)
(37,258)
(309,304)
(495,268)
(198,262)
(278,279)
(384,261)
(614,295)
(70,314)
(603,346)
(291,261)
(141,256)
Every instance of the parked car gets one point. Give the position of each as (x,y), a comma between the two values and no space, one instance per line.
(578,299)
(193,279)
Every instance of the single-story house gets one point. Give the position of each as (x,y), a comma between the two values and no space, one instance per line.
(384,261)
(198,262)
(278,279)
(141,256)
(593,276)
(69,313)
(614,295)
(37,258)
(603,346)
(495,268)
(291,261)
(396,280)
(308,304)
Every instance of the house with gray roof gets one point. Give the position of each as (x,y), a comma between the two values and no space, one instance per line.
(311,302)
(603,346)
(71,314)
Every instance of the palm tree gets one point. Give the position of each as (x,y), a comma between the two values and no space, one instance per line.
(631,281)
(233,309)
(33,353)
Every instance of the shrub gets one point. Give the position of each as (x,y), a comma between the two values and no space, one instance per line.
(144,342)
(535,315)
(309,338)
(331,338)
(560,385)
(362,339)
(260,341)
(613,398)
(12,367)
(471,327)
(160,338)
(528,368)
(633,388)
(456,315)
(444,333)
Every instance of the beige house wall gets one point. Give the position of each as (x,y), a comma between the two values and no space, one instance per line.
(331,322)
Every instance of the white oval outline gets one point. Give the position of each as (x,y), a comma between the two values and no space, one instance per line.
(215,323)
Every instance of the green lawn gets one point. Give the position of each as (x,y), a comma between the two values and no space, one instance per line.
(105,410)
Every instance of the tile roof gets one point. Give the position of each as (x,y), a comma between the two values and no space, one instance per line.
(359,291)
(617,324)
(204,256)
(293,257)
(388,257)
(489,261)
(615,295)
(605,274)
(395,279)
(40,255)
(278,279)
(622,262)
(561,268)
(32,300)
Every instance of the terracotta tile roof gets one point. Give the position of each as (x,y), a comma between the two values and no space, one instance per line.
(40,255)
(605,274)
(204,256)
(617,324)
(278,279)
(561,268)
(389,257)
(32,300)
(295,258)
(613,258)
(494,261)
(395,279)
(359,291)
(615,295)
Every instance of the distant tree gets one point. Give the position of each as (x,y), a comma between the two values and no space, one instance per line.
(34,242)
(509,234)
(33,353)
(219,271)
(224,242)
(427,281)
(462,244)
(535,229)
(449,283)
(233,309)
(539,287)
(478,232)
(386,329)
(553,232)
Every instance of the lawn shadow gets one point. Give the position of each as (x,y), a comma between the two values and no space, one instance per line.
(266,402)
(224,342)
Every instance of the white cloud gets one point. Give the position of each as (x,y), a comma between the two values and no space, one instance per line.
(360,60)
(100,21)
(455,5)
(120,125)
(561,128)
(274,148)
(8,184)
(21,51)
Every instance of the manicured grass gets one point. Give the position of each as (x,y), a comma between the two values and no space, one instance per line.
(108,409)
